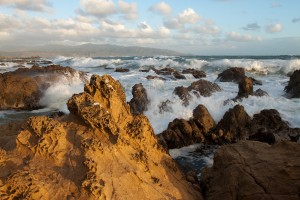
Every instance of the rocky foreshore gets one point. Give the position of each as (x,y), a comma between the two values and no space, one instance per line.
(106,148)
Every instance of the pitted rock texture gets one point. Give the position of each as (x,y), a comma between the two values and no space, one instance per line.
(253,170)
(99,151)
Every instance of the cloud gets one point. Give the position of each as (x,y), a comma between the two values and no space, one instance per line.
(161,8)
(98,8)
(252,27)
(29,5)
(237,37)
(129,10)
(189,16)
(207,29)
(274,28)
(295,20)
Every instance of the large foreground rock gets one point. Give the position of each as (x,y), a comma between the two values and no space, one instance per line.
(293,88)
(99,151)
(254,170)
(23,88)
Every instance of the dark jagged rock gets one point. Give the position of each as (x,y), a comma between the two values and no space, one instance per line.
(165,71)
(199,88)
(181,132)
(253,170)
(165,106)
(263,136)
(195,73)
(22,89)
(234,74)
(122,70)
(260,93)
(293,88)
(232,127)
(139,102)
(204,88)
(177,75)
(183,94)
(245,88)
(271,122)
(150,77)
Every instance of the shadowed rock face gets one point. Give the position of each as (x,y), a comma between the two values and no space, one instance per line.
(181,132)
(199,88)
(253,170)
(139,102)
(293,88)
(99,151)
(23,88)
(234,74)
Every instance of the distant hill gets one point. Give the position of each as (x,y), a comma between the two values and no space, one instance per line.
(91,50)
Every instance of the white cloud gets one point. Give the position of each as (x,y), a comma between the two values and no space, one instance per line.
(274,28)
(189,16)
(208,29)
(129,10)
(173,24)
(30,5)
(98,8)
(237,37)
(161,8)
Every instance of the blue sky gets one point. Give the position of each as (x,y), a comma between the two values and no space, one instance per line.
(204,27)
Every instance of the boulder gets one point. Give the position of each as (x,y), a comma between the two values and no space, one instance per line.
(253,170)
(245,87)
(164,71)
(232,127)
(177,75)
(150,77)
(293,88)
(122,70)
(199,88)
(139,102)
(234,74)
(181,132)
(270,121)
(194,72)
(95,151)
(22,89)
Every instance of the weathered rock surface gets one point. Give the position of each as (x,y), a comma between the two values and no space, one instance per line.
(234,74)
(199,88)
(23,88)
(121,70)
(246,89)
(150,77)
(99,151)
(194,72)
(139,102)
(253,170)
(293,87)
(181,132)
(178,75)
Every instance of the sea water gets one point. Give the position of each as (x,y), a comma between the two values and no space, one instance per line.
(272,71)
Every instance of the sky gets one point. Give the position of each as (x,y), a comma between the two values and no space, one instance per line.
(202,27)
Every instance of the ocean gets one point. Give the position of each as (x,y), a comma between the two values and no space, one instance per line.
(272,71)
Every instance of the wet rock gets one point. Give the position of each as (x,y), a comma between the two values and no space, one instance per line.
(150,77)
(139,102)
(96,151)
(293,88)
(245,88)
(122,70)
(253,170)
(199,88)
(22,89)
(260,93)
(183,94)
(232,127)
(177,75)
(165,106)
(271,122)
(181,132)
(263,136)
(164,71)
(234,74)
(204,88)
(195,73)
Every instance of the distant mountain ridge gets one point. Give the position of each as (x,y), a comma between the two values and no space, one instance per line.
(91,50)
